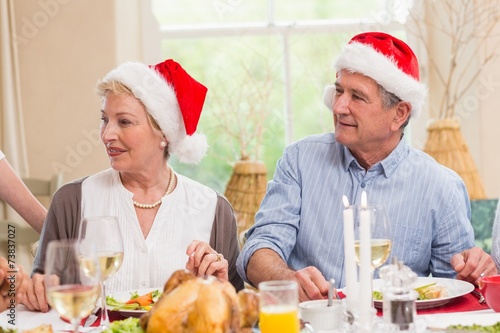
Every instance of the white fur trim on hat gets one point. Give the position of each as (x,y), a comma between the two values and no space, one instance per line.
(362,59)
(160,100)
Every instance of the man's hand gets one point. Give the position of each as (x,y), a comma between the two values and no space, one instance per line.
(472,264)
(312,284)
(266,265)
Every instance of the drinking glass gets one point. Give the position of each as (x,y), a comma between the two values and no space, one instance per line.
(381,235)
(72,278)
(104,232)
(279,307)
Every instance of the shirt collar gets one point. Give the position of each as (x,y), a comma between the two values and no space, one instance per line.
(388,165)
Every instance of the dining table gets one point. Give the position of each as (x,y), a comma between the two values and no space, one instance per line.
(463,310)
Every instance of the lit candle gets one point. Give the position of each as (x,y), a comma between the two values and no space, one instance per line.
(351,276)
(365,275)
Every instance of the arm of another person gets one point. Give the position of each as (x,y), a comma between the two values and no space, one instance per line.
(18,196)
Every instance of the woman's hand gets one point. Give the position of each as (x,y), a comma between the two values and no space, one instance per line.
(13,284)
(35,297)
(203,260)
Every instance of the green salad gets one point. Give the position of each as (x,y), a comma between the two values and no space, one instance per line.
(476,327)
(135,302)
(129,325)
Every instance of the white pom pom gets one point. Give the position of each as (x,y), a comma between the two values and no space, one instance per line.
(191,149)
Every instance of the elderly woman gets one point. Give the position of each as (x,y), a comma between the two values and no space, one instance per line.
(168,221)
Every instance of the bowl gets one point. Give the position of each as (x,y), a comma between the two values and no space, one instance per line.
(320,316)
(490,288)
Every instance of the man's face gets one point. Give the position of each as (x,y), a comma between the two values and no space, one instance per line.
(361,123)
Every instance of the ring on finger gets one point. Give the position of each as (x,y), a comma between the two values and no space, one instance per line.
(481,275)
(219,257)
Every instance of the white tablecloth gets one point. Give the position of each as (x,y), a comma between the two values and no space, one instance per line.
(443,320)
(25,319)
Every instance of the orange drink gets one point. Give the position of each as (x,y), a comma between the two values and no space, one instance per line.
(279,318)
(279,307)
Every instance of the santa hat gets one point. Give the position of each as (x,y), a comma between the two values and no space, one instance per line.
(387,60)
(173,98)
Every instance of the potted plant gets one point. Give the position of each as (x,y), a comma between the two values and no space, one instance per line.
(242,111)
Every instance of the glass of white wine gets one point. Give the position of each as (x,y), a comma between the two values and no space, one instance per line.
(72,288)
(104,232)
(381,235)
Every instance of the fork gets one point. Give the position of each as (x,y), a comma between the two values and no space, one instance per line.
(479,295)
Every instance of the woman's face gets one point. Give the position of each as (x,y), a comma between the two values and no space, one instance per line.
(131,142)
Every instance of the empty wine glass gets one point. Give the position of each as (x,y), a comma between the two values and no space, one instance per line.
(72,278)
(104,232)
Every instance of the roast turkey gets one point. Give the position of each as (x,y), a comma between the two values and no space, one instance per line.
(192,304)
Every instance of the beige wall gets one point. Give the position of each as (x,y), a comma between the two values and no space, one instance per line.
(66,45)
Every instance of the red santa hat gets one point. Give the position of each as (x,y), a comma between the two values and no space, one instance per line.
(173,98)
(387,60)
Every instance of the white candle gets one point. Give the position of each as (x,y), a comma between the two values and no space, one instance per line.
(351,276)
(365,275)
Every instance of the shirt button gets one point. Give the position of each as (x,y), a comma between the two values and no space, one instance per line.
(363,185)
(143,283)
(143,251)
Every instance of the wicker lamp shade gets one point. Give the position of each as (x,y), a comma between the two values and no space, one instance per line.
(447,146)
(245,191)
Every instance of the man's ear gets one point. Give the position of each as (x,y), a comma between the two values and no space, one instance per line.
(403,112)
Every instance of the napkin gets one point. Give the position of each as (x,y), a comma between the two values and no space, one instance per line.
(112,315)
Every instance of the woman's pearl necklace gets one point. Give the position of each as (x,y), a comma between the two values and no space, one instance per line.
(169,190)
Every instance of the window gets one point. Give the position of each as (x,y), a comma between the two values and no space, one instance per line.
(265,64)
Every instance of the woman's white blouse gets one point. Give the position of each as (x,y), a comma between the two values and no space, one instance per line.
(185,215)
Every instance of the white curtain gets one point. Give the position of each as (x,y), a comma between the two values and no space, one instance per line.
(12,139)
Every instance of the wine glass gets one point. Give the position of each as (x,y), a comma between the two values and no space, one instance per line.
(380,237)
(104,232)
(72,278)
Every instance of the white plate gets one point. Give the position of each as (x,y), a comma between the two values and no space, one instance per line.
(456,288)
(125,296)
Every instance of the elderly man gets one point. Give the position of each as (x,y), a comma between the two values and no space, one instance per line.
(298,233)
